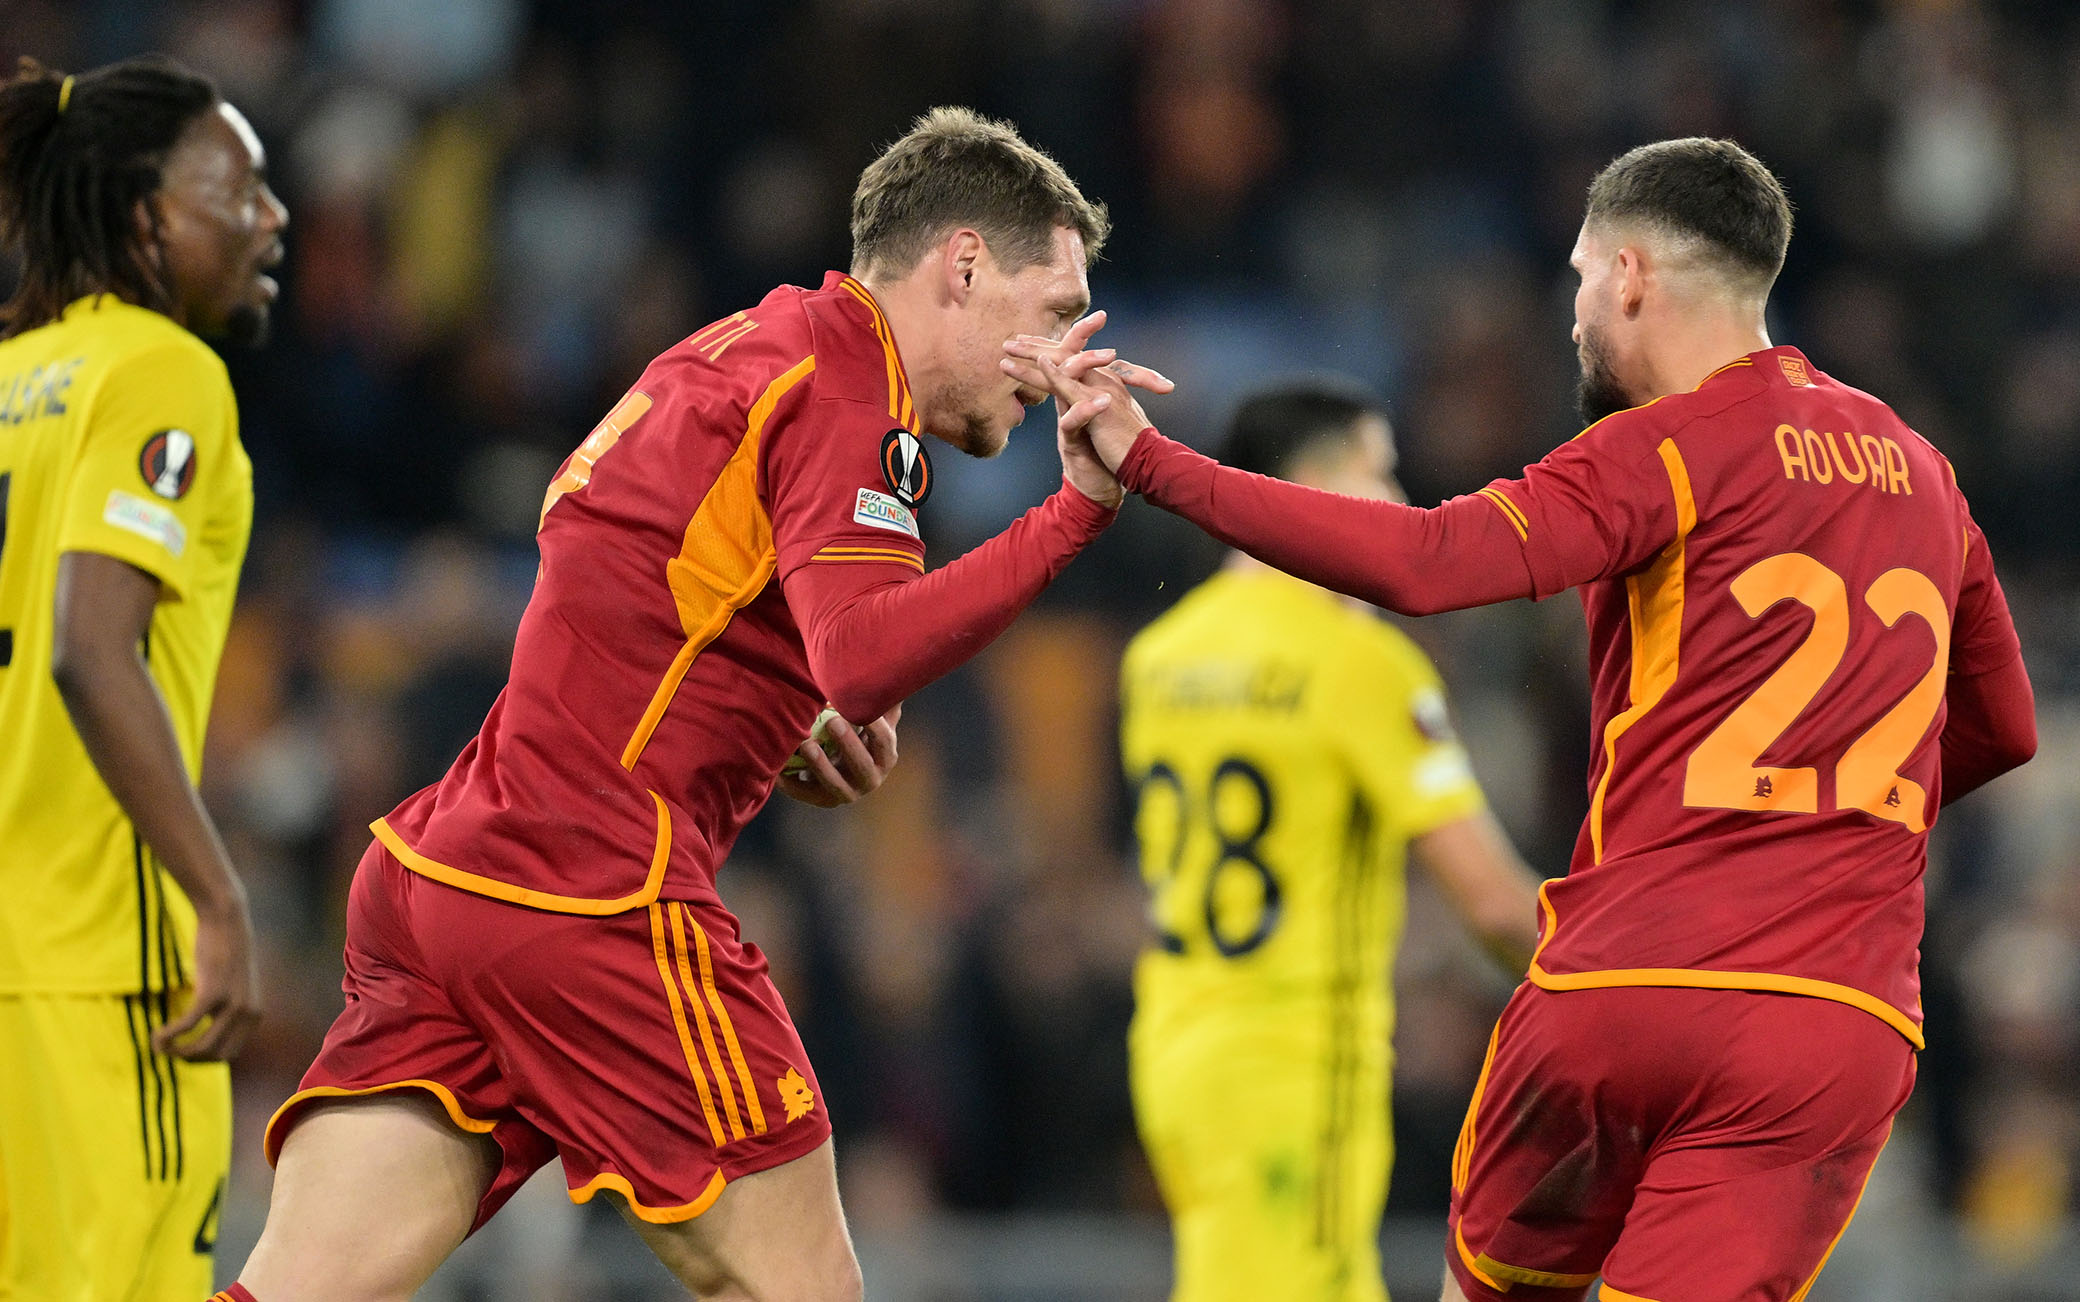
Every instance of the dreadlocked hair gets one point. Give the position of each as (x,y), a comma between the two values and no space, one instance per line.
(74,166)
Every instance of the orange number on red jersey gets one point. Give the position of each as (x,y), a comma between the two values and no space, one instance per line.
(577,472)
(1868,776)
(1722,772)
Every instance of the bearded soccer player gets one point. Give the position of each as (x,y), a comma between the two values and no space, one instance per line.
(538,964)
(137,202)
(1290,752)
(1798,652)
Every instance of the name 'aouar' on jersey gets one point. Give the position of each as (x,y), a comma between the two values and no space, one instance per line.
(1782,582)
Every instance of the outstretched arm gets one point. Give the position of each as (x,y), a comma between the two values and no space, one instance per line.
(874,636)
(1417,561)
(875,632)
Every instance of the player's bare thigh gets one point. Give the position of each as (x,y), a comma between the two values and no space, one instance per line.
(773,1236)
(370,1196)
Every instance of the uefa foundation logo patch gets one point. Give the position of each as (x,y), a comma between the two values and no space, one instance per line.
(168,463)
(906,468)
(881,511)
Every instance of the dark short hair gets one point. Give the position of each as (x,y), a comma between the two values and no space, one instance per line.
(1712,190)
(957,168)
(1274,429)
(74,164)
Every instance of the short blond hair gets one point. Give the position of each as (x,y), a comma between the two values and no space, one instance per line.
(957,168)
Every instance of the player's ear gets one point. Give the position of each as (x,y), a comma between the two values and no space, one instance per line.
(964,252)
(144,229)
(1631,279)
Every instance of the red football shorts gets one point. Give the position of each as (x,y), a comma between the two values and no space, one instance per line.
(648,1049)
(1682,1144)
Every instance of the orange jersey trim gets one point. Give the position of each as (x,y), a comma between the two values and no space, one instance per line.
(1462,1152)
(271,1143)
(1510,512)
(655,1215)
(660,855)
(1473,1263)
(854,554)
(899,407)
(725,559)
(1619,1295)
(1740,361)
(1656,599)
(675,914)
(1491,1270)
(658,947)
(1693,978)
(752,1107)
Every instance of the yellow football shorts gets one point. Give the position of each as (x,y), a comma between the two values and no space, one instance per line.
(112,1157)
(1274,1169)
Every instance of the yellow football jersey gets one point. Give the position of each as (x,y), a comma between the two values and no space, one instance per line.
(118,435)
(1284,748)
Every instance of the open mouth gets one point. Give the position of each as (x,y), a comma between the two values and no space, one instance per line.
(268,262)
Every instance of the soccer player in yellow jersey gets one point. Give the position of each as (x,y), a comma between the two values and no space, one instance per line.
(1287,747)
(136,202)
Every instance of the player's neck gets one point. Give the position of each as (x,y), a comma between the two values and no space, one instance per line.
(1689,348)
(912,311)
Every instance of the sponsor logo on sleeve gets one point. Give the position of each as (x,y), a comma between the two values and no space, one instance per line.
(881,511)
(168,463)
(146,519)
(906,468)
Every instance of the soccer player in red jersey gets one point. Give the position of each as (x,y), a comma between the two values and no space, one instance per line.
(1798,652)
(538,964)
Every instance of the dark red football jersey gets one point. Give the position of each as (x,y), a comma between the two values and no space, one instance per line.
(1779,576)
(1781,580)
(734,545)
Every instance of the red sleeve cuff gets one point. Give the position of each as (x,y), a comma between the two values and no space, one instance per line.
(1085,518)
(1134,470)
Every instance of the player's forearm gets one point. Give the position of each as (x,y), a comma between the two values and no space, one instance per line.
(1991,727)
(1404,558)
(122,721)
(871,643)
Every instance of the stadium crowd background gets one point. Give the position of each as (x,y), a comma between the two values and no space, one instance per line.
(502,210)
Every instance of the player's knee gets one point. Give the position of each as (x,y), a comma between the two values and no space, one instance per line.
(821,1270)
(833,1280)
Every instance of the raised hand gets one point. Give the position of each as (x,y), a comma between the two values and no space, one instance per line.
(1091,386)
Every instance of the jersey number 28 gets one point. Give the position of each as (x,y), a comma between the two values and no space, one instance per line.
(1236,810)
